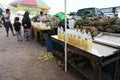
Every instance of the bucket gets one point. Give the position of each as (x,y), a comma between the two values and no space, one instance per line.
(58,46)
(48,44)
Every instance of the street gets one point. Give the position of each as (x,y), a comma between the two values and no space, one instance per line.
(21,61)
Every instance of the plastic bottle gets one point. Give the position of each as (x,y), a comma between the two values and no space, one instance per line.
(79,38)
(87,42)
(90,40)
(62,33)
(75,36)
(84,35)
(59,33)
(72,37)
(68,35)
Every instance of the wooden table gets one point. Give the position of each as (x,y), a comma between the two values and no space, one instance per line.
(99,56)
(40,35)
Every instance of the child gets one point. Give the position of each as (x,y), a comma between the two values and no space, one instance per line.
(17,27)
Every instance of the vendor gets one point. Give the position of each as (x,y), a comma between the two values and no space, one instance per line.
(42,17)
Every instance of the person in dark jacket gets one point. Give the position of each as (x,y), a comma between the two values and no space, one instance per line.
(17,27)
(26,23)
(62,24)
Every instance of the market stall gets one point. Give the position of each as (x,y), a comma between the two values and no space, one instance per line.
(45,29)
(90,63)
(41,32)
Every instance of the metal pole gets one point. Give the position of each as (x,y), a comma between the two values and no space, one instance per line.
(65,39)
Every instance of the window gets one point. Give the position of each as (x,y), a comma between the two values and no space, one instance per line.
(99,13)
(86,12)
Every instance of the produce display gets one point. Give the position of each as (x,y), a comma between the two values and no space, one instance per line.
(77,37)
(41,26)
(95,26)
(52,21)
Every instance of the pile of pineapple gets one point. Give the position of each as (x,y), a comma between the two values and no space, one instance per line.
(95,26)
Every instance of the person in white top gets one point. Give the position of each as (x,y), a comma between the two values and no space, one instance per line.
(42,17)
(7,22)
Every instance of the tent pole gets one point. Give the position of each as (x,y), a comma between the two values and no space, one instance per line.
(65,8)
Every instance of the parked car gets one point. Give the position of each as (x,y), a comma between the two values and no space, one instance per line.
(90,13)
(111,11)
(111,15)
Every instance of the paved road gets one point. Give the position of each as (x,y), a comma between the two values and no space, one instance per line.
(18,61)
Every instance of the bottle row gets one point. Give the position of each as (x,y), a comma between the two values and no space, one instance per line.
(76,37)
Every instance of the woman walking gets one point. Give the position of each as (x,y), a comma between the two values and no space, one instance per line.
(26,23)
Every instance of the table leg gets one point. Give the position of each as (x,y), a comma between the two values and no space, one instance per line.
(97,71)
(115,69)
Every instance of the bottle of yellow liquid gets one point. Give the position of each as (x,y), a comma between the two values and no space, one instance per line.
(59,35)
(90,40)
(79,42)
(58,32)
(72,38)
(87,42)
(68,36)
(62,35)
(75,37)
(84,35)
(78,38)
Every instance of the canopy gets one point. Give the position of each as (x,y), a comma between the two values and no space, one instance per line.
(25,4)
(35,3)
(15,3)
